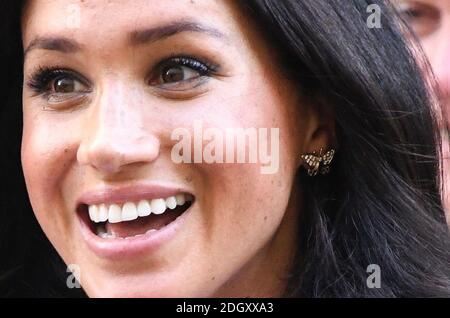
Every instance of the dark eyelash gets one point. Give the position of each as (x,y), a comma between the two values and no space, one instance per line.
(41,79)
(203,67)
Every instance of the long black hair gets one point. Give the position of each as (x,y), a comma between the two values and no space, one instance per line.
(381,203)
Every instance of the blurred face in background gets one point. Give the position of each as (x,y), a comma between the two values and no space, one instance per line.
(430,20)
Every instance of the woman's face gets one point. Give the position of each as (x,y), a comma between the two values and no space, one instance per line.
(430,20)
(106,85)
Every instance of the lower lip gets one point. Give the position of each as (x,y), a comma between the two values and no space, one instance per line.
(128,248)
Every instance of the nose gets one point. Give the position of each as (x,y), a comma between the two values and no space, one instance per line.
(115,135)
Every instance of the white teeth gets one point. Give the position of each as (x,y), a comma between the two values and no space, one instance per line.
(158,206)
(102,213)
(144,208)
(181,199)
(115,214)
(93,213)
(129,212)
(171,202)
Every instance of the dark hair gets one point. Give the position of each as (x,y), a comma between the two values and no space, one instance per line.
(379,205)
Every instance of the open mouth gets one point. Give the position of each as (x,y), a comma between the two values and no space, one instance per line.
(134,219)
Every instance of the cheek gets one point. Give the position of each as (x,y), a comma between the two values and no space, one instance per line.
(45,161)
(242,200)
(242,212)
(241,196)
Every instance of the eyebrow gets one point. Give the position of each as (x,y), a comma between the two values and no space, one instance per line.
(60,44)
(158,33)
(137,37)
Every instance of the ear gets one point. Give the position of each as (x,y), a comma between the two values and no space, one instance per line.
(320,132)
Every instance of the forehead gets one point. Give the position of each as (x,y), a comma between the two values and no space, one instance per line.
(86,19)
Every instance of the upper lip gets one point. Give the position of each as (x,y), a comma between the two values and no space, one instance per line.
(120,194)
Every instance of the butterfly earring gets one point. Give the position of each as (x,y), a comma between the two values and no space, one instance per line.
(316,163)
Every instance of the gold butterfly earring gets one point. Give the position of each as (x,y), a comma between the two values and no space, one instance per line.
(316,163)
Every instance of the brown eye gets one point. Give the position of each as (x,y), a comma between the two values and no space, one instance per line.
(174,74)
(59,86)
(67,85)
(64,85)
(180,73)
(423,19)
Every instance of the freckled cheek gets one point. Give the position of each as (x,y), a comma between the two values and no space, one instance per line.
(239,200)
(242,186)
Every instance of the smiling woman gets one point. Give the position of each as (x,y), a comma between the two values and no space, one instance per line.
(88,117)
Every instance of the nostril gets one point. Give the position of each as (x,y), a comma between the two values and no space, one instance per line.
(107,166)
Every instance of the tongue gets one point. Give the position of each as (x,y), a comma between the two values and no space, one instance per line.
(141,225)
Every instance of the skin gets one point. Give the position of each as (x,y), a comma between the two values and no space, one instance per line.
(241,235)
(431,23)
